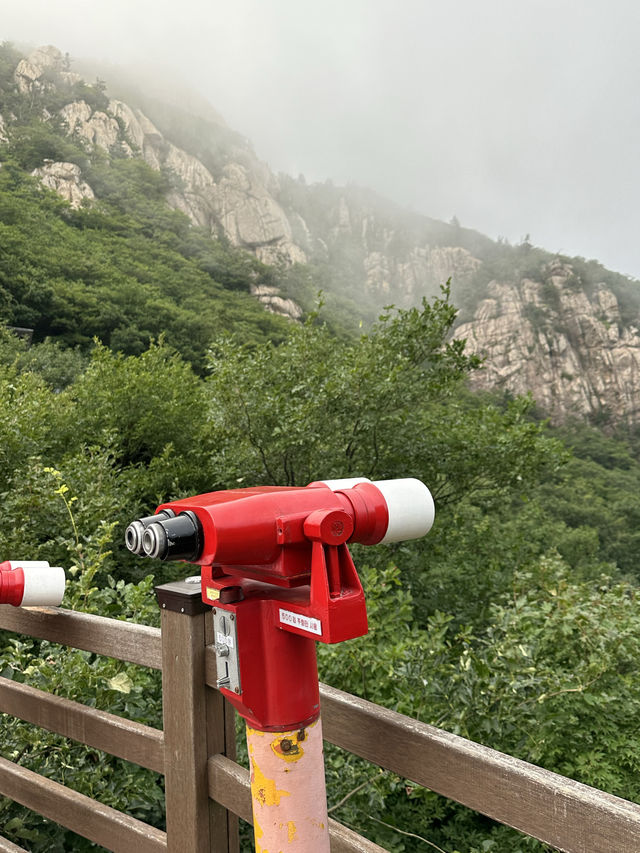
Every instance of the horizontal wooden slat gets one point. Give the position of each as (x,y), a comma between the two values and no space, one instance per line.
(141,744)
(565,814)
(112,638)
(106,826)
(229,785)
(7,846)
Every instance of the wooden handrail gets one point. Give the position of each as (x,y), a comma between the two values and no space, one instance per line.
(565,814)
(106,826)
(113,638)
(132,741)
(7,846)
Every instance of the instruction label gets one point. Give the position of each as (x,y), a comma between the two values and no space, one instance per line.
(304,623)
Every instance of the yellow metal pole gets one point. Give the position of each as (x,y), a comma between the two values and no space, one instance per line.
(288,790)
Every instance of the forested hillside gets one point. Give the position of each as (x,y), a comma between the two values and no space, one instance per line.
(125,269)
(514,623)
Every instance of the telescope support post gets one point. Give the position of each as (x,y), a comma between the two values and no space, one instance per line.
(288,790)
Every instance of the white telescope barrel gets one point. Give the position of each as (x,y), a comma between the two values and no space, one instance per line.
(411,508)
(346,483)
(409,502)
(42,586)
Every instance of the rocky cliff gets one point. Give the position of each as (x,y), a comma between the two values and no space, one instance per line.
(237,202)
(356,235)
(567,347)
(569,338)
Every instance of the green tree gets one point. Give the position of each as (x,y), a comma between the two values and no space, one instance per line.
(385,405)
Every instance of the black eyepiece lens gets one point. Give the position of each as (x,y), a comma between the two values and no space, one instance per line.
(134,534)
(178,538)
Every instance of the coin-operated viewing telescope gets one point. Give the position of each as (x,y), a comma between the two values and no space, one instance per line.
(278,573)
(31,583)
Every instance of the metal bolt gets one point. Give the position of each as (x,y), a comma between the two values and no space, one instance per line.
(182,610)
(236,689)
(213,610)
(232,617)
(285,745)
(163,606)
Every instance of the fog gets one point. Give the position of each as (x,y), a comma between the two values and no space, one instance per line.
(516,117)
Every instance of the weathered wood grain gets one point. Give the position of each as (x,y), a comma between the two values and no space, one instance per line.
(7,846)
(229,785)
(112,638)
(565,814)
(106,826)
(140,744)
(185,731)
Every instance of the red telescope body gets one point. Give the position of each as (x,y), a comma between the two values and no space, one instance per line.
(30,583)
(277,570)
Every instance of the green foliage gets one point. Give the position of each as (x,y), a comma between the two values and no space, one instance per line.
(106,684)
(37,141)
(123,277)
(383,406)
(80,459)
(550,680)
(126,268)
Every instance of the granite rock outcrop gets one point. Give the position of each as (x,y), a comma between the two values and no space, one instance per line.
(570,349)
(66,180)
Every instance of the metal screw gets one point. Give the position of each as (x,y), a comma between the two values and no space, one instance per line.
(182,610)
(163,606)
(285,745)
(232,617)
(236,689)
(213,610)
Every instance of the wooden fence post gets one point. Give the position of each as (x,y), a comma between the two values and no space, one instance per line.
(195,726)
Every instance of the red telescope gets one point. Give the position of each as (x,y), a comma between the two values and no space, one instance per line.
(278,572)
(268,530)
(30,583)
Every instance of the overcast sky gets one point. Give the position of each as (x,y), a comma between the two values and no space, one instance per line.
(517,116)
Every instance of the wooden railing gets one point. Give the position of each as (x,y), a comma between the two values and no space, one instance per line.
(206,790)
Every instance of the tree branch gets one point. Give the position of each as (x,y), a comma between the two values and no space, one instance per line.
(352,793)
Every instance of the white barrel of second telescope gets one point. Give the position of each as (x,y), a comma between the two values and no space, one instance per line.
(43,587)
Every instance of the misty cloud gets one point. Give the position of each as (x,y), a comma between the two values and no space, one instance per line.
(516,117)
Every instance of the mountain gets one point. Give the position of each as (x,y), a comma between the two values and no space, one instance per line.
(564,329)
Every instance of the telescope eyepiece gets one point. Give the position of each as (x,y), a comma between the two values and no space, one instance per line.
(134,533)
(176,538)
(154,542)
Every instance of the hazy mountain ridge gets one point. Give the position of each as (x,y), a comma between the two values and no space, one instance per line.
(564,329)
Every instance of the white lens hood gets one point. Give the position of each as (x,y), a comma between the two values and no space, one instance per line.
(42,586)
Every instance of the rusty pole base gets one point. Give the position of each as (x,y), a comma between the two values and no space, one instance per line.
(288,790)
